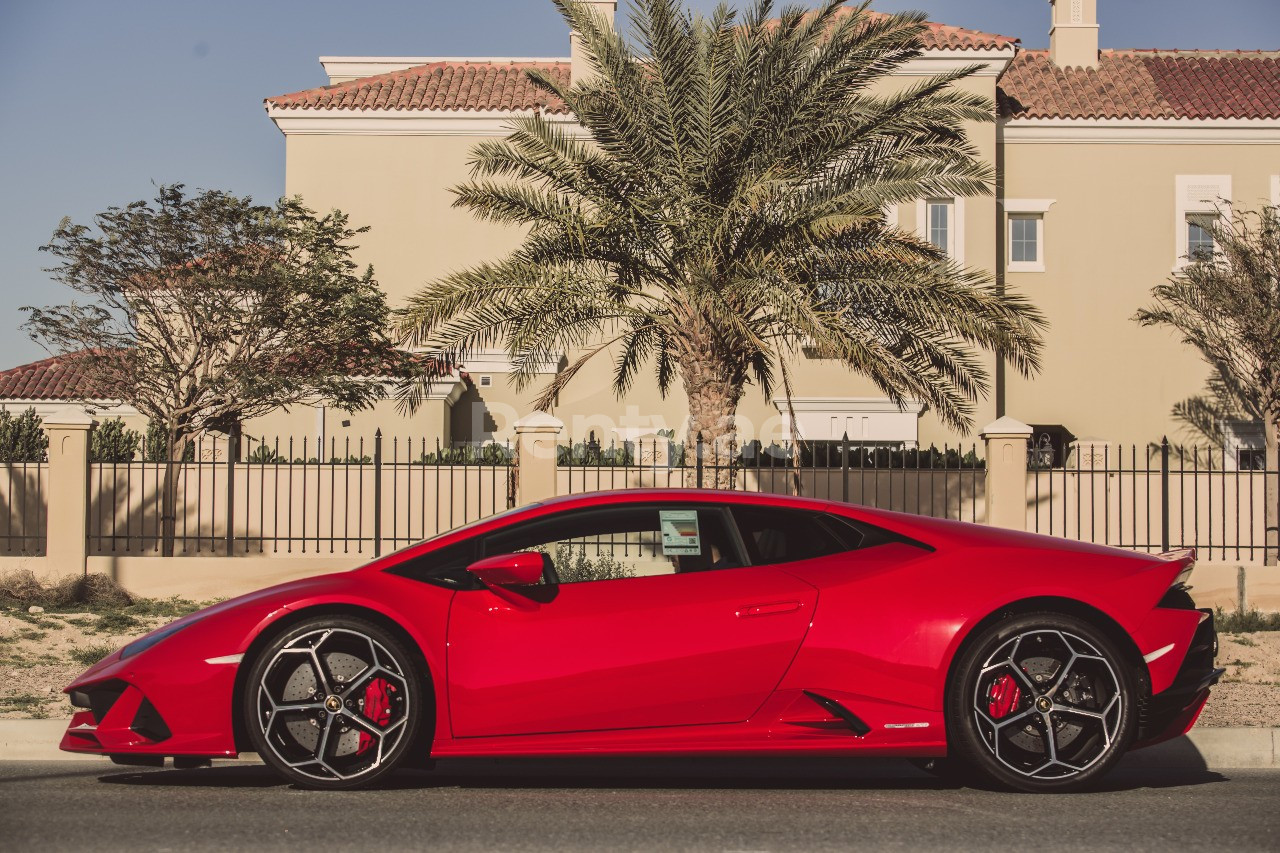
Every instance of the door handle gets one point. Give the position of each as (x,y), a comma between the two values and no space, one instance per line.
(767,609)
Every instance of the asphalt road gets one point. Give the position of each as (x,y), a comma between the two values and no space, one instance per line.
(647,805)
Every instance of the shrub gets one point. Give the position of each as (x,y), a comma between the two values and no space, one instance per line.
(91,654)
(574,566)
(1245,621)
(22,438)
(111,441)
(153,446)
(93,590)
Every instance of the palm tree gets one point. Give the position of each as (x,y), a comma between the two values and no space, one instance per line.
(726,209)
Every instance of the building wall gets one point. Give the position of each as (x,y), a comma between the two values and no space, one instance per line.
(398,185)
(1109,238)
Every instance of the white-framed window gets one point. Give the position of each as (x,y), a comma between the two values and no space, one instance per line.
(1199,200)
(939,214)
(1200,244)
(940,221)
(1024,234)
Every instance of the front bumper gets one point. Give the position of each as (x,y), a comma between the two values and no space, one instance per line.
(1174,710)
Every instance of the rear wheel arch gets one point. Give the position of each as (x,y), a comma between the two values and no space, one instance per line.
(1055,604)
(294,617)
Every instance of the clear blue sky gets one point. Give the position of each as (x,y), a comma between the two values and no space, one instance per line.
(102,98)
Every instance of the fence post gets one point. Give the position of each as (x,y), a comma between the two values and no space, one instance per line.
(537,440)
(844,468)
(1164,493)
(377,493)
(233,452)
(68,527)
(1007,441)
(698,460)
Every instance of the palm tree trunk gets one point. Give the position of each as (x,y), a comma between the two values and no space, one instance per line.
(713,407)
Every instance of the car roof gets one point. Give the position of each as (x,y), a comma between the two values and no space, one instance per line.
(696,495)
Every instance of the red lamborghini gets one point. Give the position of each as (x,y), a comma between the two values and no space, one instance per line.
(678,622)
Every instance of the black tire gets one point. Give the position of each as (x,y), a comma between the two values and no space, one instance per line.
(335,702)
(1030,675)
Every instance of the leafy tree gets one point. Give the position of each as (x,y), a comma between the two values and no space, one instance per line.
(112,441)
(1227,306)
(726,210)
(206,309)
(155,446)
(22,438)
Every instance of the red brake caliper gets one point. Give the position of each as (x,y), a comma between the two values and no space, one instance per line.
(1003,696)
(377,709)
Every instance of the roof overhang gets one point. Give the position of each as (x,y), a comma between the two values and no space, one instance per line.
(1141,131)
(297,121)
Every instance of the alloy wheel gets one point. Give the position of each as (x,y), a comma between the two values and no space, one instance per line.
(332,704)
(1048,704)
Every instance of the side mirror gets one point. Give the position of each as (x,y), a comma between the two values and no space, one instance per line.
(518,569)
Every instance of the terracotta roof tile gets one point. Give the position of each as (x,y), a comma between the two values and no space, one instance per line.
(1145,84)
(469,86)
(474,86)
(60,378)
(56,378)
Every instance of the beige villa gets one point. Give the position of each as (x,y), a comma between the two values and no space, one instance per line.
(1108,163)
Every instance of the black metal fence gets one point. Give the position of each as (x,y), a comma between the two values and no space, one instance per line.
(946,483)
(24,512)
(303,496)
(1157,498)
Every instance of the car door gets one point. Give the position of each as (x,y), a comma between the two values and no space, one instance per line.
(654,621)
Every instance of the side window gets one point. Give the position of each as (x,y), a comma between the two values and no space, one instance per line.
(624,542)
(774,535)
(445,566)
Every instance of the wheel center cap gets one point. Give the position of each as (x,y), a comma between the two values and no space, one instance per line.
(1044,704)
(333,704)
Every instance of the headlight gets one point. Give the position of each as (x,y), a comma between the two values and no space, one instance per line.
(143,643)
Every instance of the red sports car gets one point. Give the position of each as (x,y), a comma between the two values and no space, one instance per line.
(678,622)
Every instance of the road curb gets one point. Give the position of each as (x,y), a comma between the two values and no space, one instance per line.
(1204,749)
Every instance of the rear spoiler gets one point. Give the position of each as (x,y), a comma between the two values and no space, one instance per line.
(1186,557)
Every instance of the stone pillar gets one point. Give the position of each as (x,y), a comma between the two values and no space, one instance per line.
(68,549)
(537,437)
(1006,441)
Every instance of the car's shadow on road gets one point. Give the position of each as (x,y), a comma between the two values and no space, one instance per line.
(656,774)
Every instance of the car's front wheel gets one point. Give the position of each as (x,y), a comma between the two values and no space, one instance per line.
(333,702)
(1042,702)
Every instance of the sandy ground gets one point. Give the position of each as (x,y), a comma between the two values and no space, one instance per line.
(1249,693)
(40,654)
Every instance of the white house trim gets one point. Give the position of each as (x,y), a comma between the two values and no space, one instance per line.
(1142,131)
(302,122)
(1036,207)
(50,408)
(1028,205)
(956,225)
(1204,194)
(869,419)
(992,62)
(497,361)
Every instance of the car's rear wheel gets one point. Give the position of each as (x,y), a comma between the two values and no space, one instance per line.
(1042,702)
(334,702)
